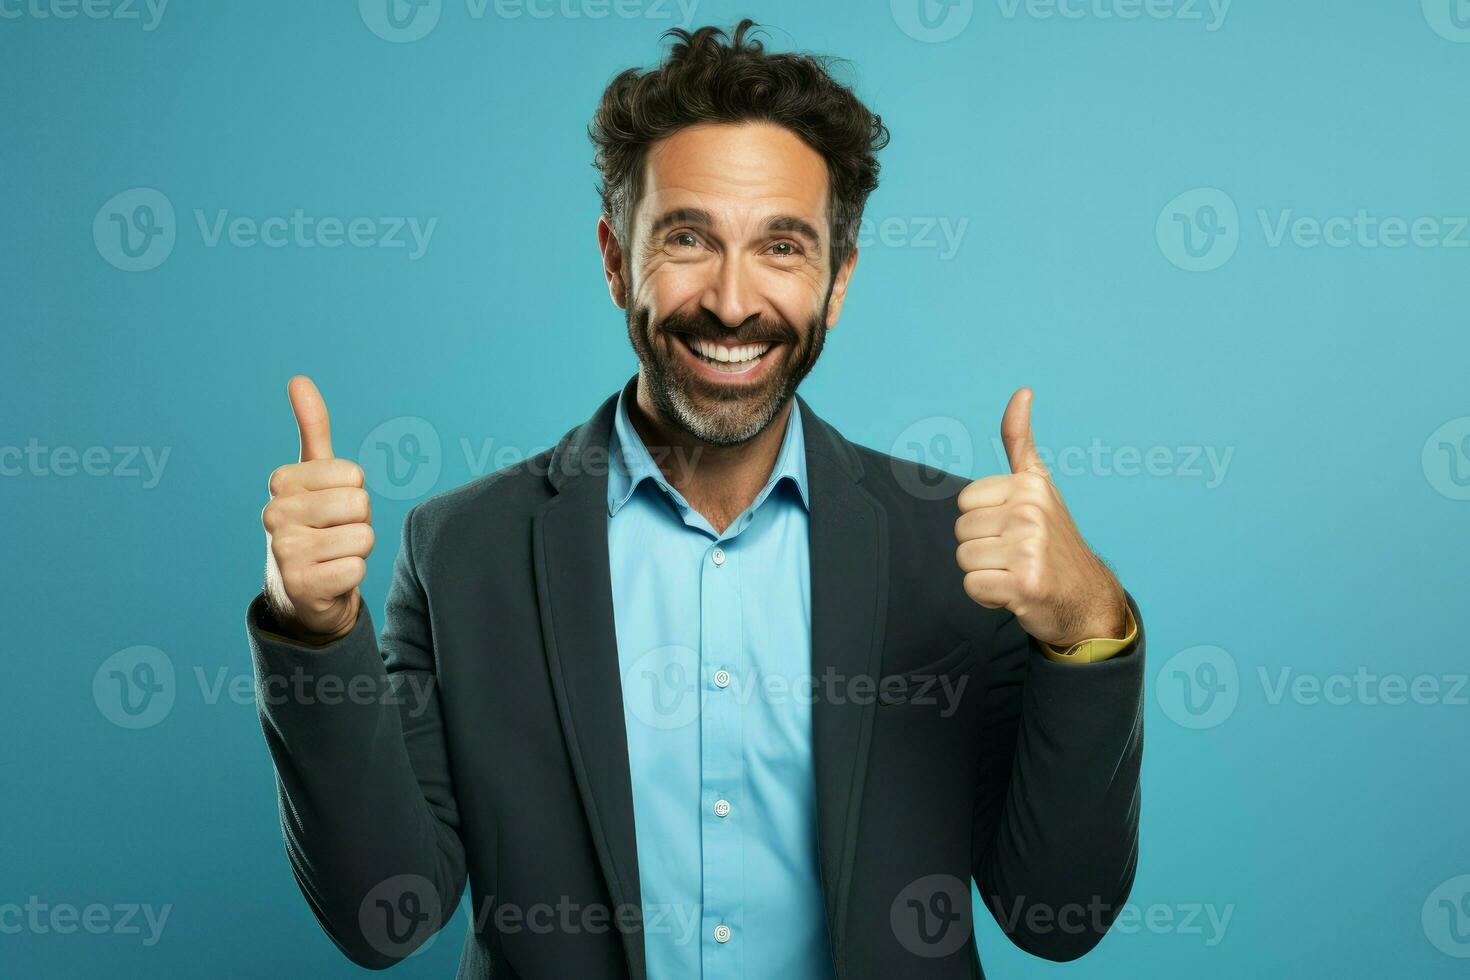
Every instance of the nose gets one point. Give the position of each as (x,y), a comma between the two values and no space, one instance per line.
(731,295)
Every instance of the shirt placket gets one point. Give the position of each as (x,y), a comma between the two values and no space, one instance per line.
(724,675)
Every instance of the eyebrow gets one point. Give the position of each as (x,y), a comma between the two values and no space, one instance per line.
(787,223)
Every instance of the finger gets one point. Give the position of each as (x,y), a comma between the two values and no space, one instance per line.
(988,491)
(311,418)
(991,588)
(1015,432)
(316,474)
(983,553)
(342,541)
(325,508)
(986,522)
(330,579)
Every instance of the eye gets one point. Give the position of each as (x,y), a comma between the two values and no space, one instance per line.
(784,248)
(683,239)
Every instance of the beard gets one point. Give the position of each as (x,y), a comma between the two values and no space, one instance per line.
(714,413)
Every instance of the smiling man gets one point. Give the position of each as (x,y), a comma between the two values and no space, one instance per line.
(707,690)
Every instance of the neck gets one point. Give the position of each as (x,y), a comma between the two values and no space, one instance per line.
(718,481)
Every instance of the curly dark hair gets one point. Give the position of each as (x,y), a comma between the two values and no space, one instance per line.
(704,81)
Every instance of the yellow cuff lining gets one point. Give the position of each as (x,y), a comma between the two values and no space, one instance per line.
(1093,651)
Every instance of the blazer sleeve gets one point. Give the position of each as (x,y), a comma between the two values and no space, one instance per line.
(1055,835)
(362,771)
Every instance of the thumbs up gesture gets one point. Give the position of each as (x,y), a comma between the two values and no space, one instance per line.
(1020,551)
(317,530)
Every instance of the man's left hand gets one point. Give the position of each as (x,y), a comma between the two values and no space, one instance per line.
(1020,551)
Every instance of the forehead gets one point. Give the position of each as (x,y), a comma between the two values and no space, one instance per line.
(733,170)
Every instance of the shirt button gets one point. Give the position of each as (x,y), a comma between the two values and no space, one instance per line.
(722,933)
(722,678)
(719,556)
(722,808)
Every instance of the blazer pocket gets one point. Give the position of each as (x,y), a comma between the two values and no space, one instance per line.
(927,679)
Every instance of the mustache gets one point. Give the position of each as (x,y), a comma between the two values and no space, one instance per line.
(710,328)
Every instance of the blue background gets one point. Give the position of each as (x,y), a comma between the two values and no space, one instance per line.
(1332,542)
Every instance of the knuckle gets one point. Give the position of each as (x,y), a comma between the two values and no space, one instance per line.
(291,580)
(1030,580)
(353,473)
(280,480)
(1030,512)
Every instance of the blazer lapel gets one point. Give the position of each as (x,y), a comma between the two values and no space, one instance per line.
(574,587)
(848,540)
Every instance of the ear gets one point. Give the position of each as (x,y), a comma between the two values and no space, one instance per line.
(614,263)
(839,287)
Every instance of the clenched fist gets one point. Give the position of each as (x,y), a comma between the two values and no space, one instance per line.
(318,530)
(1020,551)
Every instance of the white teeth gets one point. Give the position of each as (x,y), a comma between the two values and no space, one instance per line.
(729,355)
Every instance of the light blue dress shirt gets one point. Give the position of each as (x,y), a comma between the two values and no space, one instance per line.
(714,647)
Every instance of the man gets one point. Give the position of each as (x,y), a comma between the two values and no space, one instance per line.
(701,691)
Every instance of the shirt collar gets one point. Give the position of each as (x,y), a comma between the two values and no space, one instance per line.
(632,463)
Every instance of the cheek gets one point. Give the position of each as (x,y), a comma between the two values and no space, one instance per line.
(670,286)
(796,295)
(797,306)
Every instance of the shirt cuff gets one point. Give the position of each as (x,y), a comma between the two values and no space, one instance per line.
(1093,651)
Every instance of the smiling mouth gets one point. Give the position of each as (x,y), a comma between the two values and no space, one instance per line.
(727,358)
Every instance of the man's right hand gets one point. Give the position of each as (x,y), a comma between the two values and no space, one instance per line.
(318,530)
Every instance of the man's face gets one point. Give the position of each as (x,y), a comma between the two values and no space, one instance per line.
(726,277)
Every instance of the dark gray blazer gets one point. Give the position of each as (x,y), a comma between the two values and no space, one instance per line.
(482,737)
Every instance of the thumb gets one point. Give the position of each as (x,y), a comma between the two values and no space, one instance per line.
(311,418)
(1015,432)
